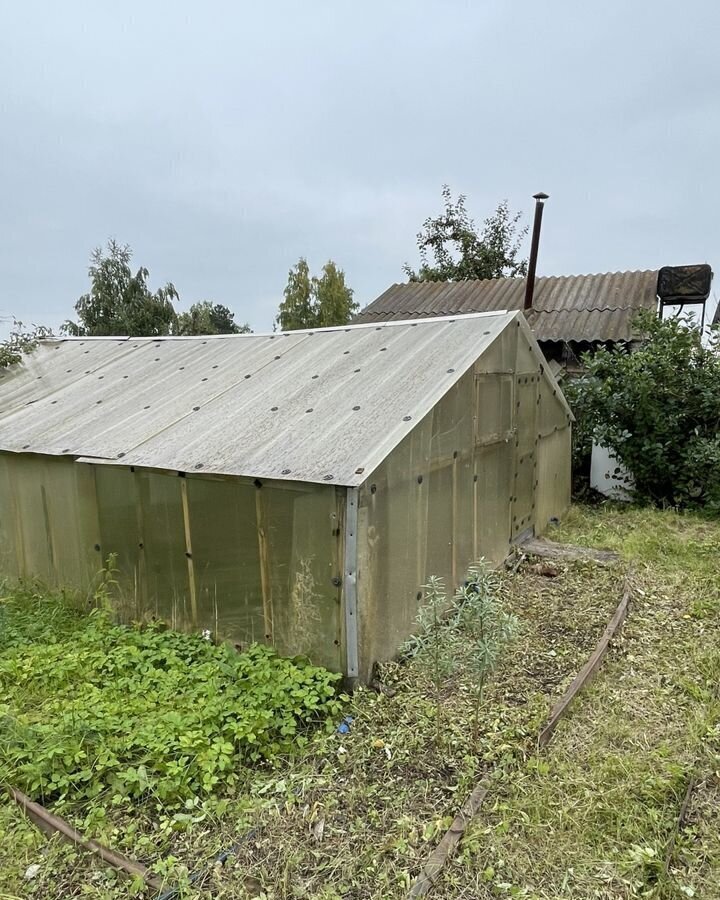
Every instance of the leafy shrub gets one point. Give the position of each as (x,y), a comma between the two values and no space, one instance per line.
(88,707)
(473,628)
(658,409)
(488,626)
(21,341)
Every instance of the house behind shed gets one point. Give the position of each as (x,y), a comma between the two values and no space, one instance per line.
(295,488)
(570,314)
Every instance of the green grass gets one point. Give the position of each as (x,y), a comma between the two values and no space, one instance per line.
(355,815)
(596,814)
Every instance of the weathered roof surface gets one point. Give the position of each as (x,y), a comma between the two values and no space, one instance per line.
(565,308)
(324,406)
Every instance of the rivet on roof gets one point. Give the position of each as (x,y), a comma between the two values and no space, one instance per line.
(407,418)
(196,408)
(449,371)
(359,470)
(285,472)
(199,465)
(309,410)
(273,409)
(327,478)
(356,408)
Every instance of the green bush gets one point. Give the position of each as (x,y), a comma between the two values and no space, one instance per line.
(88,707)
(658,409)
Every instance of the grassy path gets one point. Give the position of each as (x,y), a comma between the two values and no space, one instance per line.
(594,815)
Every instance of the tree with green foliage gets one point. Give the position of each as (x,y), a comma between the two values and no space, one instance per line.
(315,302)
(658,409)
(21,340)
(120,302)
(452,249)
(208,318)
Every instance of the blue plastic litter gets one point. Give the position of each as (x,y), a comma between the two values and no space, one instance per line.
(344,726)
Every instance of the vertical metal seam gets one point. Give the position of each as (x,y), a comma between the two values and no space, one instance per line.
(350,584)
(265,570)
(188,550)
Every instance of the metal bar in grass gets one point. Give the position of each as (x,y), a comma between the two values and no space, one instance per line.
(52,824)
(679,824)
(590,667)
(681,821)
(449,841)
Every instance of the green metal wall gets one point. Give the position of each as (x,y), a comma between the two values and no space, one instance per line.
(248,560)
(490,463)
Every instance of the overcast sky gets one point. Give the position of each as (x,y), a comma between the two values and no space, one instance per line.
(223,140)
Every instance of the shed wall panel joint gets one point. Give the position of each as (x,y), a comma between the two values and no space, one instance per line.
(352,669)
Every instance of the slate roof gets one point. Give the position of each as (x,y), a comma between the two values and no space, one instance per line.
(581,308)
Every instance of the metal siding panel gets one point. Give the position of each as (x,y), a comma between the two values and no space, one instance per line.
(553,476)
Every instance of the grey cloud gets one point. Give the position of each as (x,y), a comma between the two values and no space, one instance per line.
(224,140)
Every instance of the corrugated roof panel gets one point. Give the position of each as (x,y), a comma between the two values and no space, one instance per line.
(143,388)
(565,308)
(323,406)
(23,384)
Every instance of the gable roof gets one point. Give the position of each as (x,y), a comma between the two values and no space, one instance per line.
(565,308)
(322,406)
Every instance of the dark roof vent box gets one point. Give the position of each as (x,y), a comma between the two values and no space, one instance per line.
(684,284)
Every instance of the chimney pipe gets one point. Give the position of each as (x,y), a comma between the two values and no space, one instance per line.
(532,265)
